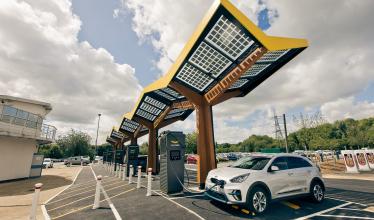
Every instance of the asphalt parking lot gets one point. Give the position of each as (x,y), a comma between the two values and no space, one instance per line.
(345,199)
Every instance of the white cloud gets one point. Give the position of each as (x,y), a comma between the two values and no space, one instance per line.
(41,58)
(337,64)
(347,108)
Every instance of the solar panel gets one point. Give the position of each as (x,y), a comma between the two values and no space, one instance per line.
(229,38)
(176,110)
(172,92)
(209,60)
(239,83)
(145,115)
(165,95)
(194,77)
(174,115)
(117,134)
(255,70)
(129,125)
(272,56)
(150,108)
(154,102)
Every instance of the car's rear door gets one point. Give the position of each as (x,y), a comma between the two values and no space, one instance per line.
(299,171)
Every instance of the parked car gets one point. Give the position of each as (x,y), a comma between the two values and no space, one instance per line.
(47,163)
(192,159)
(78,160)
(232,156)
(98,158)
(257,180)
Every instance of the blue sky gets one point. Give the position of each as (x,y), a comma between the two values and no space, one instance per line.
(100,29)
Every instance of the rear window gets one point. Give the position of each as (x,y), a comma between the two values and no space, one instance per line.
(297,162)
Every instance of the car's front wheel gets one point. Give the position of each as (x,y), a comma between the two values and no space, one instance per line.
(317,192)
(257,200)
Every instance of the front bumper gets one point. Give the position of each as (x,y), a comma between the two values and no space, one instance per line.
(224,195)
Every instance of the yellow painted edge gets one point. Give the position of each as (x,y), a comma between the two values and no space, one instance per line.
(245,211)
(271,43)
(235,206)
(291,205)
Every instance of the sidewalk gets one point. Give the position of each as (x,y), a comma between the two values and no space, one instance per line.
(359,176)
(16,197)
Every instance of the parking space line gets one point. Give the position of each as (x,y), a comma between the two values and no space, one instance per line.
(346,216)
(324,211)
(339,199)
(85,198)
(291,205)
(235,206)
(189,210)
(84,207)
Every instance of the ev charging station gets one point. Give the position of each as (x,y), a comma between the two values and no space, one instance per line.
(172,147)
(132,157)
(118,158)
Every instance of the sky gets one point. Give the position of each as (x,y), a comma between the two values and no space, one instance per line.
(91,56)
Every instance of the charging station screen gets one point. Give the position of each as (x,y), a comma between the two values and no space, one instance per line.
(175,155)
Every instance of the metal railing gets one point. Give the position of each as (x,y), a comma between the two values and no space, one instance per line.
(25,123)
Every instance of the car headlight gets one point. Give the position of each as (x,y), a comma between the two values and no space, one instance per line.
(239,179)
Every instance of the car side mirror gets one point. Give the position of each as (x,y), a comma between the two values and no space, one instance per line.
(274,168)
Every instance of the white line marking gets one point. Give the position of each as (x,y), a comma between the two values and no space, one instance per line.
(181,197)
(346,216)
(112,207)
(324,211)
(329,197)
(352,209)
(44,210)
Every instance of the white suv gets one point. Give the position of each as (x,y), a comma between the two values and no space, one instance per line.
(256,180)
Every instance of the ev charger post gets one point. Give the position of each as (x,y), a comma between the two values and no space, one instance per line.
(149,186)
(97,193)
(35,201)
(139,177)
(130,174)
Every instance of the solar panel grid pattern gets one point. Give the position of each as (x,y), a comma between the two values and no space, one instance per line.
(129,126)
(255,70)
(154,102)
(209,60)
(194,77)
(165,95)
(239,83)
(272,56)
(176,110)
(174,115)
(229,38)
(172,92)
(149,108)
(145,115)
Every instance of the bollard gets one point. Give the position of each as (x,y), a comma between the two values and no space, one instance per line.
(35,201)
(115,170)
(149,186)
(124,172)
(97,193)
(130,174)
(119,171)
(139,177)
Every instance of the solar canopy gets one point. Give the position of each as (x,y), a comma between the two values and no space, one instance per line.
(222,42)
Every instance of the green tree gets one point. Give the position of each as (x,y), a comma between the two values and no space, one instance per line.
(191,143)
(75,143)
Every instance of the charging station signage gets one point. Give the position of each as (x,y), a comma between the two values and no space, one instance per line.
(350,162)
(369,154)
(361,160)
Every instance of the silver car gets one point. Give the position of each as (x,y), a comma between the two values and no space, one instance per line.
(257,180)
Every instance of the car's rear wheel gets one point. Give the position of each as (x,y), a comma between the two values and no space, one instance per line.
(257,200)
(317,192)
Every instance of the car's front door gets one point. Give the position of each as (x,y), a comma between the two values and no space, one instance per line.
(299,174)
(278,181)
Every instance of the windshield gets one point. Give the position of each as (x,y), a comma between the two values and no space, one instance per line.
(47,160)
(251,163)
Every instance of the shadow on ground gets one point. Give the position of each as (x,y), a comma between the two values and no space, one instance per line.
(26,186)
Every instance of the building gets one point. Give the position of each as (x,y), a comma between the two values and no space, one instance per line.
(21,133)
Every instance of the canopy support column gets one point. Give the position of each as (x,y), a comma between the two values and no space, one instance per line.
(152,150)
(134,141)
(205,142)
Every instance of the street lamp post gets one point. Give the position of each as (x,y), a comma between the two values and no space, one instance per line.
(97,133)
